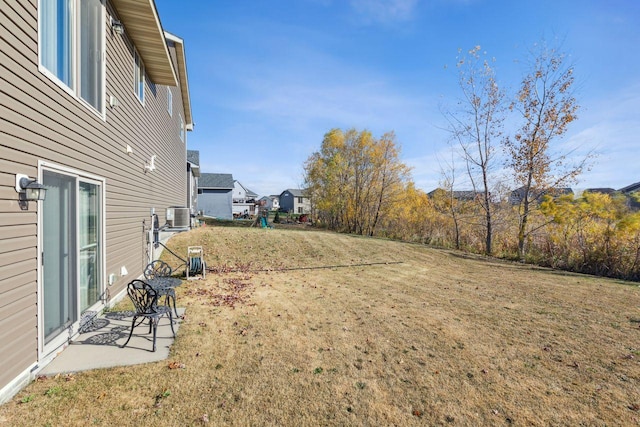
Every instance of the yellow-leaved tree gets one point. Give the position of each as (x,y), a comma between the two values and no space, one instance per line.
(355,180)
(546,105)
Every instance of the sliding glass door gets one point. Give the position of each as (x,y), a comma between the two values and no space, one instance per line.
(71,250)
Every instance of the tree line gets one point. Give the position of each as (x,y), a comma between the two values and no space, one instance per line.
(358,184)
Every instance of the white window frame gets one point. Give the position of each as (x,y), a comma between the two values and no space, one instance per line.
(139,76)
(74,90)
(169,102)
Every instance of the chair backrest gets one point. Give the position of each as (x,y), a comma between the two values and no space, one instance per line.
(143,297)
(157,268)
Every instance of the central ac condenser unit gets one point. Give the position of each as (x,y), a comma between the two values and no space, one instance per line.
(178,217)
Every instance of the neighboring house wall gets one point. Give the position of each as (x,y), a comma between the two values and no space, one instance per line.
(244,200)
(294,201)
(192,189)
(193,173)
(47,132)
(215,203)
(275,202)
(270,202)
(215,192)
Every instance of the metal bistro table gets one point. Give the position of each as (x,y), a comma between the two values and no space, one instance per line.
(165,286)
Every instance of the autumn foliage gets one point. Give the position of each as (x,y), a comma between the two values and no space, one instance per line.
(358,184)
(355,181)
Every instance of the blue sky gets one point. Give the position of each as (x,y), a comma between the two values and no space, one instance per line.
(269,78)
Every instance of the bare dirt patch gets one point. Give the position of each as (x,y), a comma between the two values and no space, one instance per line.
(313,328)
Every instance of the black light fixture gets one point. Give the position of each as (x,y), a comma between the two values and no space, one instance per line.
(30,190)
(117,27)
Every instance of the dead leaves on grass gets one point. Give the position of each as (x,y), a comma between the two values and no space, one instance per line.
(232,292)
(176,365)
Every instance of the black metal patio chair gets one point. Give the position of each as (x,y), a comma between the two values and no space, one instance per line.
(144,299)
(157,269)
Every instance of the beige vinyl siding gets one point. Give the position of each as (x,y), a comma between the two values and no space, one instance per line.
(39,121)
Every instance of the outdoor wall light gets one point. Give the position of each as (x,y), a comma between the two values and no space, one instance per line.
(151,166)
(30,190)
(117,27)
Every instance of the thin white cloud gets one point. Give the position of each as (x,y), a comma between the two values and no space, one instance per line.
(613,136)
(385,11)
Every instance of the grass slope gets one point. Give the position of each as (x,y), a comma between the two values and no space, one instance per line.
(307,328)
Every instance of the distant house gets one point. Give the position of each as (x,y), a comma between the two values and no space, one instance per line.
(609,191)
(460,195)
(243,199)
(517,196)
(630,188)
(193,173)
(215,192)
(295,201)
(271,202)
(630,191)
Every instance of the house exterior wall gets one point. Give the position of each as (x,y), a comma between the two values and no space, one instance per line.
(302,205)
(292,203)
(42,124)
(270,202)
(216,203)
(275,202)
(287,201)
(192,191)
(244,201)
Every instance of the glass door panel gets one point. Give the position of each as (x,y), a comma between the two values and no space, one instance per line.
(89,235)
(59,258)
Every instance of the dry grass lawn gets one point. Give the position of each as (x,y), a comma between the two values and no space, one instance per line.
(305,328)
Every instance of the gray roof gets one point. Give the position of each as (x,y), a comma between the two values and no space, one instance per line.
(193,157)
(457,194)
(296,192)
(216,180)
(249,192)
(630,188)
(600,190)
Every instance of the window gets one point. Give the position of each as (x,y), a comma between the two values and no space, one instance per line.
(71,47)
(169,101)
(181,128)
(138,76)
(300,210)
(300,200)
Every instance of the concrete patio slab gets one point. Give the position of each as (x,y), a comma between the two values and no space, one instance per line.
(99,346)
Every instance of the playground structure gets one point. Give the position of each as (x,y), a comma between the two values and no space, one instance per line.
(196,268)
(262,215)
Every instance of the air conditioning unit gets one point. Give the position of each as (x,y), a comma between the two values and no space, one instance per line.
(178,217)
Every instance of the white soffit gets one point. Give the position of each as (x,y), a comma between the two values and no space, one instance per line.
(182,76)
(143,27)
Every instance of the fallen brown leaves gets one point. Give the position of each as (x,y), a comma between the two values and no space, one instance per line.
(176,365)
(232,291)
